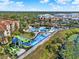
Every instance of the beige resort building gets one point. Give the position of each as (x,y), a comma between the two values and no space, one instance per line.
(6,28)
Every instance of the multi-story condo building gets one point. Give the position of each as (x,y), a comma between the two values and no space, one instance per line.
(6,28)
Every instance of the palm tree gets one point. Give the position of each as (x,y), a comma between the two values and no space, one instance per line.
(26,18)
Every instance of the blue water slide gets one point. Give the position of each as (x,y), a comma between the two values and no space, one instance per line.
(14,40)
(26,44)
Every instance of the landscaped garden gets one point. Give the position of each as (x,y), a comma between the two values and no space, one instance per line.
(29,35)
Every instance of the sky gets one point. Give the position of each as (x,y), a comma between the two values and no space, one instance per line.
(39,5)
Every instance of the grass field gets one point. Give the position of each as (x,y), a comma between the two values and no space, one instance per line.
(72,37)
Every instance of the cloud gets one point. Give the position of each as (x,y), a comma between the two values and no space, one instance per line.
(65,5)
(75,2)
(63,1)
(8,5)
(44,1)
(67,1)
(64,8)
(55,7)
(60,5)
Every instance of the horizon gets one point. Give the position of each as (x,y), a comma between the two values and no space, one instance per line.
(45,11)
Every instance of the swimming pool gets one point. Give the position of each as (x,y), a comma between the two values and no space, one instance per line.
(43,29)
(40,29)
(39,38)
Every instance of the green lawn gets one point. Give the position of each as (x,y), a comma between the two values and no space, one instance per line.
(28,35)
(72,37)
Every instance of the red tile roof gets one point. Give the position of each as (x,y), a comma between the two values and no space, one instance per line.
(2,28)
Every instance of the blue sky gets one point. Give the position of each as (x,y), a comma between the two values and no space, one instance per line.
(39,5)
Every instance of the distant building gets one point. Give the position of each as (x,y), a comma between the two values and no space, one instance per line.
(6,28)
(47,20)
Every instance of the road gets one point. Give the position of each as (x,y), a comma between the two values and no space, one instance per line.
(34,47)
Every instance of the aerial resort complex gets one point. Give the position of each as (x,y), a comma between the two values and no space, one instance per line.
(39,35)
(39,29)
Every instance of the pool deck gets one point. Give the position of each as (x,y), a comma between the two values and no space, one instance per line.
(21,52)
